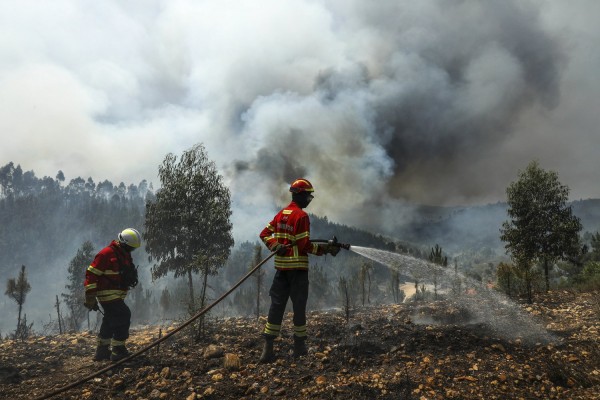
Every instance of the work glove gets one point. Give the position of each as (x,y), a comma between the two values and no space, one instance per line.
(91,303)
(331,249)
(280,249)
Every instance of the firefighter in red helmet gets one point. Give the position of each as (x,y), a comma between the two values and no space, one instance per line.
(288,234)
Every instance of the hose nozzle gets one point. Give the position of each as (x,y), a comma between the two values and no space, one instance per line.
(334,242)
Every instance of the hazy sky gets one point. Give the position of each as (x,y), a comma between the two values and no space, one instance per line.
(380,104)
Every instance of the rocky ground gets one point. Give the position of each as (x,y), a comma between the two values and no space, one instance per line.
(406,351)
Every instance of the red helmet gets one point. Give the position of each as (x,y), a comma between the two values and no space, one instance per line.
(301,185)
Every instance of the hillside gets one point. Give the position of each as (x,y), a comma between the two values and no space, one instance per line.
(468,228)
(406,351)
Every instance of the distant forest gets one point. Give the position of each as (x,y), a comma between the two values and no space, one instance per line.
(46,219)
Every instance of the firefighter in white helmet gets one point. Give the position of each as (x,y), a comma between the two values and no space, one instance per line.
(107,280)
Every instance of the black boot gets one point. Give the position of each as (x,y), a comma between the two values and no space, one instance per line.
(268,355)
(300,346)
(102,353)
(119,353)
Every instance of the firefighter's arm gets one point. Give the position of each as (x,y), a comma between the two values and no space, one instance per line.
(268,238)
(91,287)
(92,275)
(303,238)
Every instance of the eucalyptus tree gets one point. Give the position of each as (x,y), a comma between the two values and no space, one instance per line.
(187,226)
(542,228)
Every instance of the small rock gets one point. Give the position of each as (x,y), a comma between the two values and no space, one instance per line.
(118,383)
(213,351)
(232,361)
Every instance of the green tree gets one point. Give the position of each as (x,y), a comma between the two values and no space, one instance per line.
(187,225)
(505,276)
(75,296)
(436,257)
(542,228)
(17,290)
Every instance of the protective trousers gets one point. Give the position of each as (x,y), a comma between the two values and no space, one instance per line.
(116,321)
(292,284)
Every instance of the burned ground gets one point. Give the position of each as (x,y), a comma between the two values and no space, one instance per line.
(407,351)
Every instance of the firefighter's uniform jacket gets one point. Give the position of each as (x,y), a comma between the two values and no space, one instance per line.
(103,280)
(291,226)
(103,277)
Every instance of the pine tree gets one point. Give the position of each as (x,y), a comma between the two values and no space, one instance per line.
(17,290)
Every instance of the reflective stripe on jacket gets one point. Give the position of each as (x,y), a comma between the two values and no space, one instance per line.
(103,278)
(291,226)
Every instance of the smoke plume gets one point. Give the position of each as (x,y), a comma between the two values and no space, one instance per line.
(380,105)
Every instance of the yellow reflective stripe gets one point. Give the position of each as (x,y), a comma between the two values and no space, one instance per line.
(291,258)
(114,342)
(287,212)
(107,295)
(300,331)
(302,235)
(283,235)
(111,298)
(272,329)
(111,272)
(291,266)
(283,263)
(315,248)
(95,270)
(103,342)
(91,286)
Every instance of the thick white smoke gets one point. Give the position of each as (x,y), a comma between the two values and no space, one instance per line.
(379,104)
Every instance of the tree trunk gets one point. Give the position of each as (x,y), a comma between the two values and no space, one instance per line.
(546,275)
(200,330)
(58,316)
(258,285)
(191,286)
(19,318)
(529,287)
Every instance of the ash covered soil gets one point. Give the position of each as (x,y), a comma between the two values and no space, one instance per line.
(407,351)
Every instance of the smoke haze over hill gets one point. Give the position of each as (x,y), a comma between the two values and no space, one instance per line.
(381,105)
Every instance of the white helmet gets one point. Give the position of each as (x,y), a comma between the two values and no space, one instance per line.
(130,237)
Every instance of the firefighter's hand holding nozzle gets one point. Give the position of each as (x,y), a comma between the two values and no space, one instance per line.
(91,303)
(332,249)
(333,246)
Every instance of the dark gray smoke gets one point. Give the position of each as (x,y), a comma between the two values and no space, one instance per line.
(426,96)
(381,104)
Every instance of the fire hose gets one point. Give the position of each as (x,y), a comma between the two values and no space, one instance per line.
(332,242)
